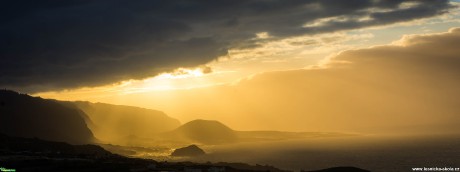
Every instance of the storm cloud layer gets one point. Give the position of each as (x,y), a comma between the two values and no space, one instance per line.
(53,45)
(409,87)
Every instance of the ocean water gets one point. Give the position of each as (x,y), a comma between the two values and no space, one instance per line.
(375,153)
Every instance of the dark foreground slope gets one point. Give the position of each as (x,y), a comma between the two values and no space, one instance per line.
(24,154)
(25,116)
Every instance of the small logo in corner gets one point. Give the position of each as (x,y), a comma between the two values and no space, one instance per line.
(2,169)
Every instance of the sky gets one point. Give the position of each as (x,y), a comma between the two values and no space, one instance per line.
(317,65)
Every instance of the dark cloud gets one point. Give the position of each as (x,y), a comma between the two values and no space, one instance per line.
(409,87)
(51,45)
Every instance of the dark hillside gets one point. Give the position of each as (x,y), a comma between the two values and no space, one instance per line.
(25,116)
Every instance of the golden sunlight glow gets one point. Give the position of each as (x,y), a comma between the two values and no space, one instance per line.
(182,78)
(191,93)
(183,73)
(262,35)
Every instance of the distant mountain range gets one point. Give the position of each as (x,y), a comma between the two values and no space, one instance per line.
(84,122)
(116,122)
(77,122)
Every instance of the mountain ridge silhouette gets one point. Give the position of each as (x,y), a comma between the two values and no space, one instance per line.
(204,131)
(22,115)
(116,122)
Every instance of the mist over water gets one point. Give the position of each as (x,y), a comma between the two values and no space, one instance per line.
(375,153)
